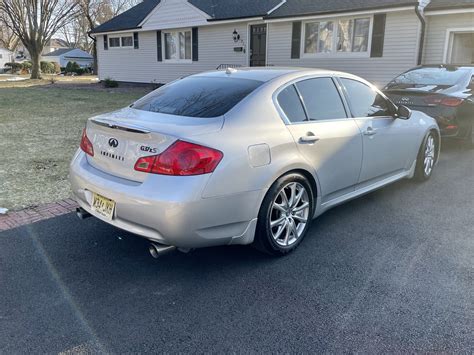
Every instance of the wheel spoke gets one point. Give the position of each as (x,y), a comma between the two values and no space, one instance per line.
(293,229)
(298,198)
(287,235)
(284,198)
(277,222)
(301,208)
(300,218)
(279,207)
(280,230)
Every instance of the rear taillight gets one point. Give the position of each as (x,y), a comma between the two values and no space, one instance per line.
(86,144)
(181,159)
(444,101)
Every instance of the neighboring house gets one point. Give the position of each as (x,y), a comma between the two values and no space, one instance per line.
(159,41)
(5,57)
(53,45)
(66,55)
(450,32)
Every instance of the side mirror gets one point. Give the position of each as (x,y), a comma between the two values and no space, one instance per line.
(403,112)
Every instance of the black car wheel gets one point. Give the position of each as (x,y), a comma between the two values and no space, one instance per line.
(285,215)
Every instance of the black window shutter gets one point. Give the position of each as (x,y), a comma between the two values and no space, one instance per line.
(296,40)
(195,44)
(106,42)
(378,36)
(159,51)
(135,40)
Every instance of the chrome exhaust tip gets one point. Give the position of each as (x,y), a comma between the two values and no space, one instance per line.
(82,213)
(158,250)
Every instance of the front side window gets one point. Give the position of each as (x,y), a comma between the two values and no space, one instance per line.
(353,35)
(365,101)
(319,37)
(198,96)
(321,99)
(177,45)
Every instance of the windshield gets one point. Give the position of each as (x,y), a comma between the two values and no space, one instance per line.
(198,96)
(428,76)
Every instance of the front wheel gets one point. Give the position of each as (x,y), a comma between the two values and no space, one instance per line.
(427,157)
(285,215)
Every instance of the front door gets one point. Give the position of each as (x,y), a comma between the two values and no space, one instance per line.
(258,45)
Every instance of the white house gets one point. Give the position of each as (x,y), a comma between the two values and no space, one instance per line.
(5,57)
(66,55)
(161,40)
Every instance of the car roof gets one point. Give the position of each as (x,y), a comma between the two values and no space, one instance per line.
(262,73)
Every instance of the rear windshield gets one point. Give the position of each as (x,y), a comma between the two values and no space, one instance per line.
(198,96)
(429,76)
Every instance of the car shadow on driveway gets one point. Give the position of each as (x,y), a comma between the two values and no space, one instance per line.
(388,272)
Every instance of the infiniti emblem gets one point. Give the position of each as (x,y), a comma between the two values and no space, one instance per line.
(113,142)
(405,99)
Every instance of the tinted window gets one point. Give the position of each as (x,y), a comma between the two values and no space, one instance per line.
(428,76)
(291,104)
(365,101)
(198,96)
(321,99)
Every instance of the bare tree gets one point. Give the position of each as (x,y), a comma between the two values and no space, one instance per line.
(8,39)
(96,12)
(35,22)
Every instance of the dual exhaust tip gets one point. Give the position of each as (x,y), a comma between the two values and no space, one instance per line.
(156,250)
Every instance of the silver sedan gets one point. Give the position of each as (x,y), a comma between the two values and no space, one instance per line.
(247,156)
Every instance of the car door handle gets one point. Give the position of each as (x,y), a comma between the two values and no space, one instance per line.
(370,131)
(308,139)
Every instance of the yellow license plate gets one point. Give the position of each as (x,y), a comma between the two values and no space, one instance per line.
(103,206)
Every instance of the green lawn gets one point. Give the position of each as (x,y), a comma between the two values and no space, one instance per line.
(40,129)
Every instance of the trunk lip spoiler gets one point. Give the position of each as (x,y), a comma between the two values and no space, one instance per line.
(121,126)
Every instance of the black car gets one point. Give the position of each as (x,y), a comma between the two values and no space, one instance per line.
(445,92)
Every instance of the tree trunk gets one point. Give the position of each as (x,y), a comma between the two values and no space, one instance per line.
(35,66)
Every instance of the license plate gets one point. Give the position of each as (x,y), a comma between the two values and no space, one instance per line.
(103,206)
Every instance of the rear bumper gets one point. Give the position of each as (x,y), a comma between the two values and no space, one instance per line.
(169,210)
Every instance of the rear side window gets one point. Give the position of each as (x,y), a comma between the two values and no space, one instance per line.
(365,101)
(321,99)
(198,96)
(290,103)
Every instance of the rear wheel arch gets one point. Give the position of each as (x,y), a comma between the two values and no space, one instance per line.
(310,177)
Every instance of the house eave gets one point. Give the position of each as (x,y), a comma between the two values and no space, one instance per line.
(399,7)
(447,10)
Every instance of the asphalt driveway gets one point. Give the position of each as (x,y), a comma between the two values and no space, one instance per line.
(390,272)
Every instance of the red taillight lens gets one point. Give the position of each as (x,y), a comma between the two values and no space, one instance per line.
(181,159)
(444,101)
(86,144)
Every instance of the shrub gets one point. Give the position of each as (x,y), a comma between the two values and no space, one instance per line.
(110,83)
(14,67)
(57,67)
(47,67)
(73,67)
(26,65)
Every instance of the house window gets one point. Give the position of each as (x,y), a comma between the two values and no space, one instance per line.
(318,37)
(353,35)
(117,42)
(336,36)
(177,45)
(114,42)
(127,41)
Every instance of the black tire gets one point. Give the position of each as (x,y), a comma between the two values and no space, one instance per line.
(264,235)
(421,173)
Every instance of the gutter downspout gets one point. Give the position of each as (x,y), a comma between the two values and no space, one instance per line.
(422,34)
(94,50)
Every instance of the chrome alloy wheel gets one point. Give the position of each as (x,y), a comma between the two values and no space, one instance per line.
(429,155)
(289,214)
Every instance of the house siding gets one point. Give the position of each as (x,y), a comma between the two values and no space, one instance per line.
(216,46)
(172,14)
(436,30)
(400,50)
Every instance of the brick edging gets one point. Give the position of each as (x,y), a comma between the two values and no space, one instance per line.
(33,214)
